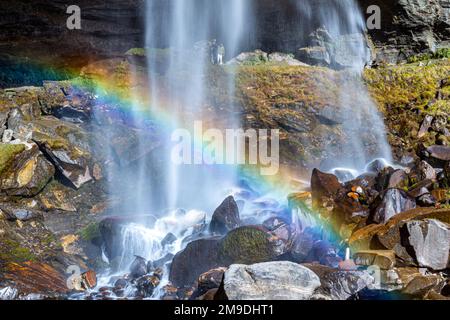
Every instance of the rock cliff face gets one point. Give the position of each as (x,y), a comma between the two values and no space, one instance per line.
(36,31)
(409,27)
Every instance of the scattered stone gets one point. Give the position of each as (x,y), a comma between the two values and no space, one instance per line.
(399,179)
(146,285)
(225,217)
(430,240)
(209,280)
(427,171)
(393,202)
(425,126)
(89,279)
(385,259)
(269,281)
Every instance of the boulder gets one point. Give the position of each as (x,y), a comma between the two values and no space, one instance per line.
(337,284)
(393,202)
(437,155)
(225,217)
(323,185)
(138,268)
(23,172)
(68,146)
(35,278)
(430,240)
(248,245)
(269,281)
(398,179)
(198,257)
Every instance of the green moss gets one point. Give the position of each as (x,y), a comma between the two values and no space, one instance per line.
(90,232)
(442,53)
(12,251)
(408,85)
(7,154)
(246,245)
(136,52)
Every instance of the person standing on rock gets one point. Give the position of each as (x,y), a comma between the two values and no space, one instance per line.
(220,54)
(214,51)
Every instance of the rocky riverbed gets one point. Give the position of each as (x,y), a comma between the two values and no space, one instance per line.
(57,212)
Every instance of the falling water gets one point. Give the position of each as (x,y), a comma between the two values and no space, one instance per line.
(180,30)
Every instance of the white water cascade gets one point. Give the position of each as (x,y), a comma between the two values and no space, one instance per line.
(181,30)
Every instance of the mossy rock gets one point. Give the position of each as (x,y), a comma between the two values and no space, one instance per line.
(91,232)
(13,251)
(8,153)
(246,245)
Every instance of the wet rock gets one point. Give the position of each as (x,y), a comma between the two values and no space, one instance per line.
(269,281)
(146,285)
(339,285)
(198,257)
(23,172)
(168,239)
(138,268)
(225,217)
(302,247)
(323,185)
(393,202)
(376,166)
(430,240)
(160,262)
(89,279)
(385,259)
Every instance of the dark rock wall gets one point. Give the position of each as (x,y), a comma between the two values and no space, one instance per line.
(36,30)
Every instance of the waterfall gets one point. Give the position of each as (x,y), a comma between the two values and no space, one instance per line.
(178,37)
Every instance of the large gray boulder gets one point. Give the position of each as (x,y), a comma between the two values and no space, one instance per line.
(270,281)
(430,240)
